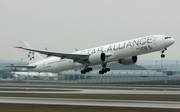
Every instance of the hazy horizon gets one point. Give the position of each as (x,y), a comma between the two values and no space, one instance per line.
(65,25)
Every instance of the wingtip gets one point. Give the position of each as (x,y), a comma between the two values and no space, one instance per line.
(17,47)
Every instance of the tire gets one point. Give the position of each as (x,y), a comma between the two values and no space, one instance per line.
(162,56)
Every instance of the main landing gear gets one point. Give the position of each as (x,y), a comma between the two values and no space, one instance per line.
(104,69)
(86,69)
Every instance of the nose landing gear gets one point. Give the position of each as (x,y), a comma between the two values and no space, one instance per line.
(162,53)
(162,56)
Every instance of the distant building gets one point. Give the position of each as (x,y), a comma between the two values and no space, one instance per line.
(159,70)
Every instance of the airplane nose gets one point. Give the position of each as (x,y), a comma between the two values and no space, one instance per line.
(172,40)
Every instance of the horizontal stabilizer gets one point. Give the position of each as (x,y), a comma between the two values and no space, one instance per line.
(22,66)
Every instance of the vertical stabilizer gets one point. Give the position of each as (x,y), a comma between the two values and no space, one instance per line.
(14,68)
(32,56)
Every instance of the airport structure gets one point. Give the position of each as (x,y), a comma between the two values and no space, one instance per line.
(134,74)
(118,76)
(112,77)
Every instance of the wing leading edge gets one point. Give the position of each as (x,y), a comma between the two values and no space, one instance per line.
(22,66)
(81,58)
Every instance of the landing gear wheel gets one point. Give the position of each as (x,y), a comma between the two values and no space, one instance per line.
(162,56)
(104,70)
(83,72)
(86,69)
(90,69)
(107,69)
(101,72)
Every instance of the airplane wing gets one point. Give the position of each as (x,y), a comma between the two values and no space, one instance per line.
(81,58)
(22,66)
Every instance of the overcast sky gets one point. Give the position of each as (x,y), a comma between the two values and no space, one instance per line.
(62,25)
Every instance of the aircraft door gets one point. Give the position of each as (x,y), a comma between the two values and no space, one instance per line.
(44,65)
(155,40)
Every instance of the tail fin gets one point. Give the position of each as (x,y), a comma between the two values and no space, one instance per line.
(13,68)
(31,56)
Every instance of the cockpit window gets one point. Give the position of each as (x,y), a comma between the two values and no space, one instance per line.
(167,37)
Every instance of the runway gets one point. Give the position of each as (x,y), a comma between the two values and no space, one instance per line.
(95,91)
(119,96)
(92,102)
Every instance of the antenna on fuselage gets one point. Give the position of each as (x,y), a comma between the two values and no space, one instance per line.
(76,49)
(45,48)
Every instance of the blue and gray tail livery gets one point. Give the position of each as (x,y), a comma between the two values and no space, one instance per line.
(13,68)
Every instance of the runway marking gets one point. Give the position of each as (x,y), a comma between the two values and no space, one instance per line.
(98,91)
(112,87)
(91,102)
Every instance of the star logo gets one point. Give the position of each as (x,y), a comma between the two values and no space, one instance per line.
(30,55)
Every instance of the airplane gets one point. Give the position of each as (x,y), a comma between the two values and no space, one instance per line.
(124,52)
(34,75)
(31,75)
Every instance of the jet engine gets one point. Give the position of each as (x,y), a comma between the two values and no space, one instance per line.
(128,60)
(97,58)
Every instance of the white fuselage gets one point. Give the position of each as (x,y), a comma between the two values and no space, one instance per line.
(34,74)
(113,51)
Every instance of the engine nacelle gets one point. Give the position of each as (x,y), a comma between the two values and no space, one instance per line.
(129,60)
(97,58)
